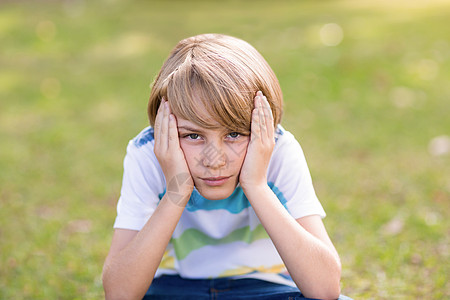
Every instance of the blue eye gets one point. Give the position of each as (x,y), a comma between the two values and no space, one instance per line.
(234,135)
(193,136)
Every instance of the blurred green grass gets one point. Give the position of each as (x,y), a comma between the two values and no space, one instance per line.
(74,81)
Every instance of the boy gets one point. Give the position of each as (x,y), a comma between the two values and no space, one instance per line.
(217,200)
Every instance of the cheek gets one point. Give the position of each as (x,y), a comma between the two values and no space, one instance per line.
(238,151)
(190,153)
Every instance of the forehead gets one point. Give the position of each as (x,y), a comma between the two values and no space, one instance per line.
(185,124)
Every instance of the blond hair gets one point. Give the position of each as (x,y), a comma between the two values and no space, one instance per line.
(219,73)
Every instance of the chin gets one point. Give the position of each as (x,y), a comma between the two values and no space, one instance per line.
(215,194)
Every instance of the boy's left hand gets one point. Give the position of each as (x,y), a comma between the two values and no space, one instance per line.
(260,148)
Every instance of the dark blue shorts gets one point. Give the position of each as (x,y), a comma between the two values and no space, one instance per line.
(175,287)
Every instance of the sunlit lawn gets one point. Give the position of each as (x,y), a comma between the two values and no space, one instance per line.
(366,95)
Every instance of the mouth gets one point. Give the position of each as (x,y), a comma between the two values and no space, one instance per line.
(215,181)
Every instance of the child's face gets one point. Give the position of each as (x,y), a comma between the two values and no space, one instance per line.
(214,158)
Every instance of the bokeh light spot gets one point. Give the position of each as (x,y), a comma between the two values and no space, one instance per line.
(402,97)
(331,34)
(439,145)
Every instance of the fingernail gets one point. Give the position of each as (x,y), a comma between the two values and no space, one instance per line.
(259,93)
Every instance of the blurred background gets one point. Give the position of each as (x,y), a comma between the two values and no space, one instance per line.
(367,94)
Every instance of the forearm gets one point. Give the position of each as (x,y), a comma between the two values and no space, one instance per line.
(128,273)
(314,266)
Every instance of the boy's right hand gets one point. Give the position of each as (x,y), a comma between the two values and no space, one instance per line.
(179,183)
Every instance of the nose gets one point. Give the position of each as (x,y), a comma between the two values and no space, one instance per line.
(213,156)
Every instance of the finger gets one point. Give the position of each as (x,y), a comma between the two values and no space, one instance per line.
(158,120)
(264,115)
(255,127)
(172,129)
(268,118)
(262,118)
(164,127)
(173,133)
(167,106)
(267,109)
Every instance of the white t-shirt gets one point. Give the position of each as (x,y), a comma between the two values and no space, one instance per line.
(217,238)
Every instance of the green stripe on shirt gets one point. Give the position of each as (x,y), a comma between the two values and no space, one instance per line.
(193,239)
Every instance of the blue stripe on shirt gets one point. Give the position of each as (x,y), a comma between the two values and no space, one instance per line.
(235,203)
(145,136)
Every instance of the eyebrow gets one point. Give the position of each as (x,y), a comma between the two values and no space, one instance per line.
(188,128)
(196,129)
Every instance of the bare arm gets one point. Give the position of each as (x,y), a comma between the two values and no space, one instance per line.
(135,256)
(303,244)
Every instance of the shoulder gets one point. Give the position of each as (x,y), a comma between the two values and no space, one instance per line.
(140,153)
(144,137)
(285,141)
(287,154)
(143,143)
(289,177)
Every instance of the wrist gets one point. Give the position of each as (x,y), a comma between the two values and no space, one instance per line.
(179,189)
(254,190)
(179,198)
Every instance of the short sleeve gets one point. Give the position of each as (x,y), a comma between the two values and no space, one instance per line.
(142,184)
(289,177)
